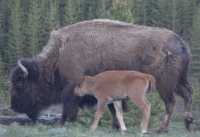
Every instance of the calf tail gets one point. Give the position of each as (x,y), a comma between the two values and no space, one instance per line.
(152,83)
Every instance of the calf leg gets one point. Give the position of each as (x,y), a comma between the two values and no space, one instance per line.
(119,114)
(144,105)
(100,108)
(187,92)
(115,122)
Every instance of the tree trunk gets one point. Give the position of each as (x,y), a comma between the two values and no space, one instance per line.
(7,120)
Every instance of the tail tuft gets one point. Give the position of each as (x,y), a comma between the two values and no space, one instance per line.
(152,83)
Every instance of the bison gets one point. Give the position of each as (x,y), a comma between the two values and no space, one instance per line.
(92,47)
(114,86)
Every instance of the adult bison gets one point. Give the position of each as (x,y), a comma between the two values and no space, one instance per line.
(91,47)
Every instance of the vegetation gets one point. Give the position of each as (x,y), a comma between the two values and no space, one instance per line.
(79,130)
(25,26)
(195,44)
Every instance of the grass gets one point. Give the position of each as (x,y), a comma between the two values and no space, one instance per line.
(78,130)
(82,129)
(84,121)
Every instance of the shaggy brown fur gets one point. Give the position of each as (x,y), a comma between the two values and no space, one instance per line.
(112,87)
(92,47)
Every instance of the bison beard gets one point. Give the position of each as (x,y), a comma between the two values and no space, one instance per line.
(92,47)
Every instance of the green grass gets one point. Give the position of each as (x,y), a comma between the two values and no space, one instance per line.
(78,130)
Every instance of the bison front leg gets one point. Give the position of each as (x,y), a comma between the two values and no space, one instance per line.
(70,109)
(187,92)
(115,122)
(169,108)
(33,115)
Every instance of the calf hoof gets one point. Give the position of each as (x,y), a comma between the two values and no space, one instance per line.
(189,124)
(93,128)
(144,133)
(124,132)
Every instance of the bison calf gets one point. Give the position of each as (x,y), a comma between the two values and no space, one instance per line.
(112,87)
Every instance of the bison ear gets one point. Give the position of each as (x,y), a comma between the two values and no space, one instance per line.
(24,70)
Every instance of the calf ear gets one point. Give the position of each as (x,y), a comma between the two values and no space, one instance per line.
(83,80)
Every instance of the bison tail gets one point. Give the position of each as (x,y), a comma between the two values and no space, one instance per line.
(152,83)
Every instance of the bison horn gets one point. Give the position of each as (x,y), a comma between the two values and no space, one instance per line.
(25,72)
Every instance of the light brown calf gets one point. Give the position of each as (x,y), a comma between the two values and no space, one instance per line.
(112,87)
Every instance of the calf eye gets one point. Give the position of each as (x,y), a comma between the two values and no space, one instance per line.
(19,85)
(78,85)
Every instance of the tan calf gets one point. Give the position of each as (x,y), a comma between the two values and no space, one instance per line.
(112,87)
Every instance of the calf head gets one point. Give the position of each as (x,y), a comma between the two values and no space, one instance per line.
(82,88)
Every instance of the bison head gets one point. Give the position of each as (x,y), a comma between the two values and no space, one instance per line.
(25,82)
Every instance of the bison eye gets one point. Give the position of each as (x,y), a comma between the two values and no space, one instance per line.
(78,85)
(19,85)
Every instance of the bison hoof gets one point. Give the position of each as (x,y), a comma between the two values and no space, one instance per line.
(189,124)
(61,123)
(161,130)
(116,126)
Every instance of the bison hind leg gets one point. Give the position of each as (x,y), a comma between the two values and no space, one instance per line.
(187,93)
(169,107)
